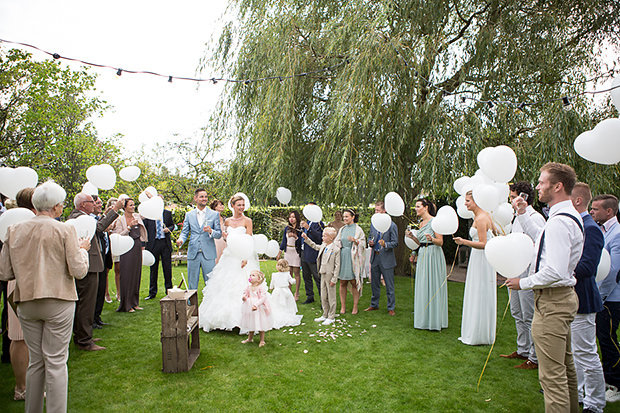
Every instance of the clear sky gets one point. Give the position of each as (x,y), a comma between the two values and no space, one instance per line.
(160,36)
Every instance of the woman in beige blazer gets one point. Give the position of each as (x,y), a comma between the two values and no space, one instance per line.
(45,293)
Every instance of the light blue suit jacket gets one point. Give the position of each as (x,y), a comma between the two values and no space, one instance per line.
(609,287)
(386,256)
(200,240)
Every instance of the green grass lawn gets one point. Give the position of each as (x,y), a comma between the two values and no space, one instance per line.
(375,363)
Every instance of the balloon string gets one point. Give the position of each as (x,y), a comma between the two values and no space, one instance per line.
(496,334)
(456,254)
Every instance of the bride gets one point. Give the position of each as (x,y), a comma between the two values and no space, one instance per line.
(221,303)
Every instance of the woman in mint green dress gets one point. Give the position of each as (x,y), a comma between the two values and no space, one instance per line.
(431,289)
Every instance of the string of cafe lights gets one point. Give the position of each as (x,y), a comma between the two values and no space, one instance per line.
(566,100)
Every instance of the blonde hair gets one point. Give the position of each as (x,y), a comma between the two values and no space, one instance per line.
(282,265)
(330,231)
(259,274)
(235,198)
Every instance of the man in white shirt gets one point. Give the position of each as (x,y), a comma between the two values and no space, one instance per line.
(604,210)
(558,247)
(522,301)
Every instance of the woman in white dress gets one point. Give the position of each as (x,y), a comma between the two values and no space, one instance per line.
(480,299)
(221,304)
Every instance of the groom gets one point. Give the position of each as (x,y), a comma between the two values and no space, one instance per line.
(202,225)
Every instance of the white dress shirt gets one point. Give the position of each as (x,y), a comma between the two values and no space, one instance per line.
(561,250)
(201,215)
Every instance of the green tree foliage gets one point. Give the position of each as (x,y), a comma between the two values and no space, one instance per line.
(376,123)
(46,117)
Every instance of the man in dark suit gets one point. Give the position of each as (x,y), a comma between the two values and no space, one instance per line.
(106,255)
(382,262)
(583,328)
(314,231)
(160,246)
(87,286)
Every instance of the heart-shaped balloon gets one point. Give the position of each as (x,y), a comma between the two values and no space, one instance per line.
(102,176)
(85,226)
(90,189)
(462,210)
(272,249)
(486,197)
(381,222)
(410,242)
(283,195)
(460,184)
(148,258)
(260,243)
(313,213)
(152,209)
(240,245)
(129,173)
(503,214)
(120,244)
(446,222)
(604,265)
(498,163)
(13,180)
(510,255)
(143,197)
(11,217)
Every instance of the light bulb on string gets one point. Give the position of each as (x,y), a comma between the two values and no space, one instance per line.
(119,72)
(566,105)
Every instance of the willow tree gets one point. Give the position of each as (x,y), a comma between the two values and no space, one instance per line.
(391,91)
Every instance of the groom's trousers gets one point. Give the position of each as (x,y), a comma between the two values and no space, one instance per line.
(193,269)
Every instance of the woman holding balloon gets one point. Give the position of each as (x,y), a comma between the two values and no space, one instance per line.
(480,299)
(352,240)
(431,290)
(291,246)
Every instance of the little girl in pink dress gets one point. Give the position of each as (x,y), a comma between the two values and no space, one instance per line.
(255,311)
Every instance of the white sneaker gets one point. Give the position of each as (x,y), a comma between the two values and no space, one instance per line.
(612,395)
(318,320)
(328,321)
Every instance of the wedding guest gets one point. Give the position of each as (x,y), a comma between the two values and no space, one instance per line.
(131,262)
(480,298)
(522,301)
(590,379)
(382,262)
(557,251)
(87,286)
(337,223)
(45,293)
(159,244)
(291,245)
(328,264)
(106,256)
(431,290)
(256,312)
(314,230)
(283,304)
(220,243)
(18,348)
(604,211)
(115,259)
(352,243)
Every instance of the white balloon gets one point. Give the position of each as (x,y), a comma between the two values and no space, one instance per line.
(245,198)
(13,180)
(460,184)
(500,253)
(102,176)
(13,216)
(90,189)
(148,259)
(120,244)
(143,197)
(129,173)
(260,243)
(394,204)
(446,222)
(284,195)
(604,265)
(152,209)
(85,226)
(482,156)
(240,245)
(411,243)
(615,94)
(503,214)
(500,164)
(381,222)
(486,197)
(503,192)
(601,144)
(313,213)
(462,210)
(272,249)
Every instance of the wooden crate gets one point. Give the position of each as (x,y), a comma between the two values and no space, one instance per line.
(180,340)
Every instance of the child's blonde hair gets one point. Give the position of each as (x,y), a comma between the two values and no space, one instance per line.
(331,232)
(259,274)
(282,265)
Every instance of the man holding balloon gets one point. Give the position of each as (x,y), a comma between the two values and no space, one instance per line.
(558,249)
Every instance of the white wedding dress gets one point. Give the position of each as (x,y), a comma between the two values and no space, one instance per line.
(480,298)
(220,308)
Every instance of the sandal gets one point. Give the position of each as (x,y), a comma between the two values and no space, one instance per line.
(19,395)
